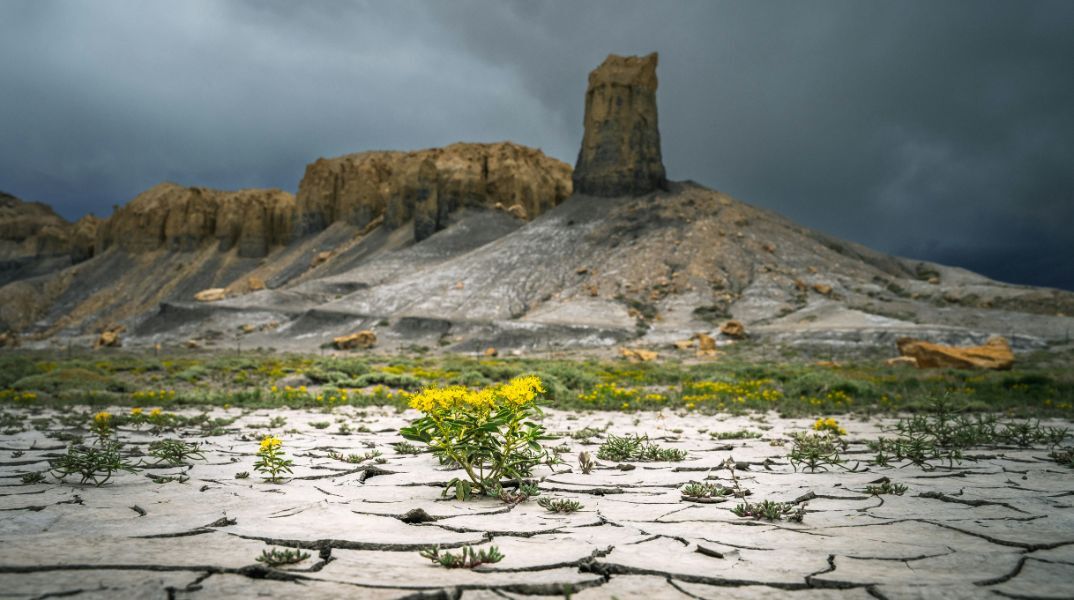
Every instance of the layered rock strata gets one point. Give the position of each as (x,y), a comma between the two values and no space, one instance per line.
(428,185)
(620,153)
(178,218)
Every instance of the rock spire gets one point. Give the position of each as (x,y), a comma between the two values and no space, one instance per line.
(620,153)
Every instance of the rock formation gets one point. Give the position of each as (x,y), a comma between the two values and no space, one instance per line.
(428,185)
(994,354)
(178,218)
(30,230)
(364,339)
(620,153)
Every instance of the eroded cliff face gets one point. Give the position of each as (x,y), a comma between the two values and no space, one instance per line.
(620,153)
(178,218)
(428,185)
(31,230)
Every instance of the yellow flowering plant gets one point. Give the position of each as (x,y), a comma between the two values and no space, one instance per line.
(489,433)
(829,425)
(271,462)
(102,424)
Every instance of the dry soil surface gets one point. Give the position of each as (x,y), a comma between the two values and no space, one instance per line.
(1001,525)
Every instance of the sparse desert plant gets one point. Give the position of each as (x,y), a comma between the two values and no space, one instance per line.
(173,478)
(32,477)
(175,452)
(275,557)
(406,448)
(771,511)
(741,434)
(1064,457)
(489,433)
(319,424)
(886,487)
(467,559)
(95,463)
(816,451)
(242,475)
(523,492)
(559,505)
(271,462)
(637,448)
(705,491)
(355,459)
(585,462)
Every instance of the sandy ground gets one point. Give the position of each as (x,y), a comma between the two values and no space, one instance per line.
(1001,525)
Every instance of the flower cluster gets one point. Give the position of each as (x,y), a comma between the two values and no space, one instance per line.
(18,396)
(829,424)
(102,423)
(153,395)
(518,392)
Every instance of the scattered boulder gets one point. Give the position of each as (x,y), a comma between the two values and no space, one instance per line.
(685,344)
(995,354)
(109,337)
(192,344)
(823,289)
(518,211)
(620,153)
(361,340)
(901,361)
(255,284)
(637,355)
(491,352)
(320,258)
(211,295)
(9,339)
(733,329)
(706,344)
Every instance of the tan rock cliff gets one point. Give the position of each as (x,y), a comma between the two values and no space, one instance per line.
(427,185)
(180,218)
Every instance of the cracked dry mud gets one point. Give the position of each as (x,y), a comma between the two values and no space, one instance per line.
(1001,525)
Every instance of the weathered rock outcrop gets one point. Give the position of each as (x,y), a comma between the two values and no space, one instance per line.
(620,153)
(427,185)
(994,354)
(180,218)
(33,230)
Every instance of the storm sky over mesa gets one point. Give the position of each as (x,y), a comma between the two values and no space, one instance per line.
(934,130)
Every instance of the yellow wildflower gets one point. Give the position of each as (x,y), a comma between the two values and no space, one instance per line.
(521,390)
(270,443)
(155,412)
(102,418)
(136,411)
(829,424)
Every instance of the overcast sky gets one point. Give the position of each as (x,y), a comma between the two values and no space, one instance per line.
(936,130)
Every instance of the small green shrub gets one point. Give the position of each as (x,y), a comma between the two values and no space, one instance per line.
(468,559)
(637,448)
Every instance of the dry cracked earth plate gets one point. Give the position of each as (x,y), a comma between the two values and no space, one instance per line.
(1001,525)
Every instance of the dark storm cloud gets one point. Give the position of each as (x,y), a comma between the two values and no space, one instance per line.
(939,130)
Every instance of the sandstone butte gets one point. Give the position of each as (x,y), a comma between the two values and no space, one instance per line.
(428,185)
(620,153)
